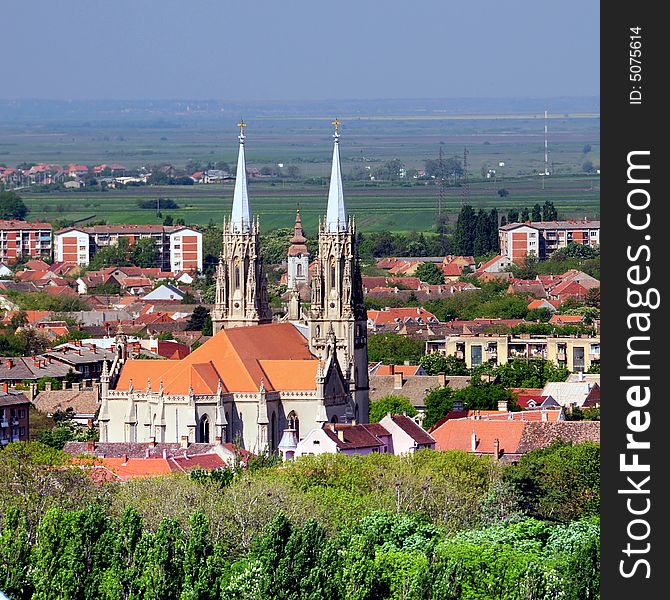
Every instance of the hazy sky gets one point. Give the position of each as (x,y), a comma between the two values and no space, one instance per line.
(298,49)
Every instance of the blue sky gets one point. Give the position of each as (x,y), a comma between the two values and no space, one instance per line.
(298,49)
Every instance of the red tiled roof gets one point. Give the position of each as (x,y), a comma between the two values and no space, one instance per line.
(355,436)
(239,357)
(566,319)
(412,429)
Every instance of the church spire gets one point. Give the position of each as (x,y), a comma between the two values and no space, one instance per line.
(240,220)
(336,216)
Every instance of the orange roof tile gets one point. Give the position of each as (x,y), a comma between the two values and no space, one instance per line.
(239,357)
(456,434)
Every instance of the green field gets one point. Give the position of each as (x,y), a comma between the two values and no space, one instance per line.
(378,208)
(493,132)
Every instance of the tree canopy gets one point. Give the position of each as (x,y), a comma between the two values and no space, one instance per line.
(12,206)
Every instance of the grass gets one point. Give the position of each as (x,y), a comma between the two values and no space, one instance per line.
(382,207)
(515,138)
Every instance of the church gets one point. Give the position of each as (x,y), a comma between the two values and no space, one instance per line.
(256,380)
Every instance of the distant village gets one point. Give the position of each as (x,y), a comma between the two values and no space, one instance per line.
(149,366)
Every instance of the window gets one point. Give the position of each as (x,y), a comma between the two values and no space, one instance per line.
(22,431)
(203,430)
(332,272)
(22,413)
(476,355)
(298,270)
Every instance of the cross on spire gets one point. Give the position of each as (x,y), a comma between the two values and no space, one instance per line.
(241,125)
(337,123)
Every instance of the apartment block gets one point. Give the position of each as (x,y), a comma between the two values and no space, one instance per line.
(14,425)
(179,247)
(21,238)
(576,353)
(541,238)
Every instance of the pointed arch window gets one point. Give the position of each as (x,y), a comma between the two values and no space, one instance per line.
(294,422)
(332,272)
(298,270)
(203,430)
(273,432)
(236,275)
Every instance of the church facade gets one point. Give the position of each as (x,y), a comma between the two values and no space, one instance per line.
(255,379)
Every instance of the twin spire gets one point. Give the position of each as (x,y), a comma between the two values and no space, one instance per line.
(240,220)
(336,215)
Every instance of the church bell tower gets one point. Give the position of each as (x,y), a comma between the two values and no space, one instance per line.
(241,284)
(337,291)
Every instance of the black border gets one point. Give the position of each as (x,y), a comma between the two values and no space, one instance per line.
(629,127)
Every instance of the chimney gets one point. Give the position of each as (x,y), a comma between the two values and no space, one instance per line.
(580,376)
(90,446)
(496,449)
(441,380)
(392,369)
(164,454)
(503,406)
(545,416)
(397,381)
(10,363)
(5,387)
(93,347)
(47,386)
(473,441)
(76,386)
(340,435)
(152,442)
(125,459)
(146,453)
(184,441)
(354,422)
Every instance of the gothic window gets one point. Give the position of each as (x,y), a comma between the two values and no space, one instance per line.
(229,428)
(318,331)
(332,272)
(273,431)
(237,273)
(294,423)
(298,270)
(334,419)
(203,430)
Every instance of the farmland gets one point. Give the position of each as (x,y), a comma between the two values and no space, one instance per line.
(502,136)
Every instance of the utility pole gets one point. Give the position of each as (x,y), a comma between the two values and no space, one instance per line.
(466,185)
(440,196)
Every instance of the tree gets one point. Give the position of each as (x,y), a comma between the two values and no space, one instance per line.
(144,253)
(12,207)
(439,402)
(429,273)
(464,234)
(513,215)
(394,349)
(586,149)
(560,482)
(549,212)
(168,221)
(587,166)
(525,214)
(537,213)
(503,193)
(198,318)
(395,405)
(435,363)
